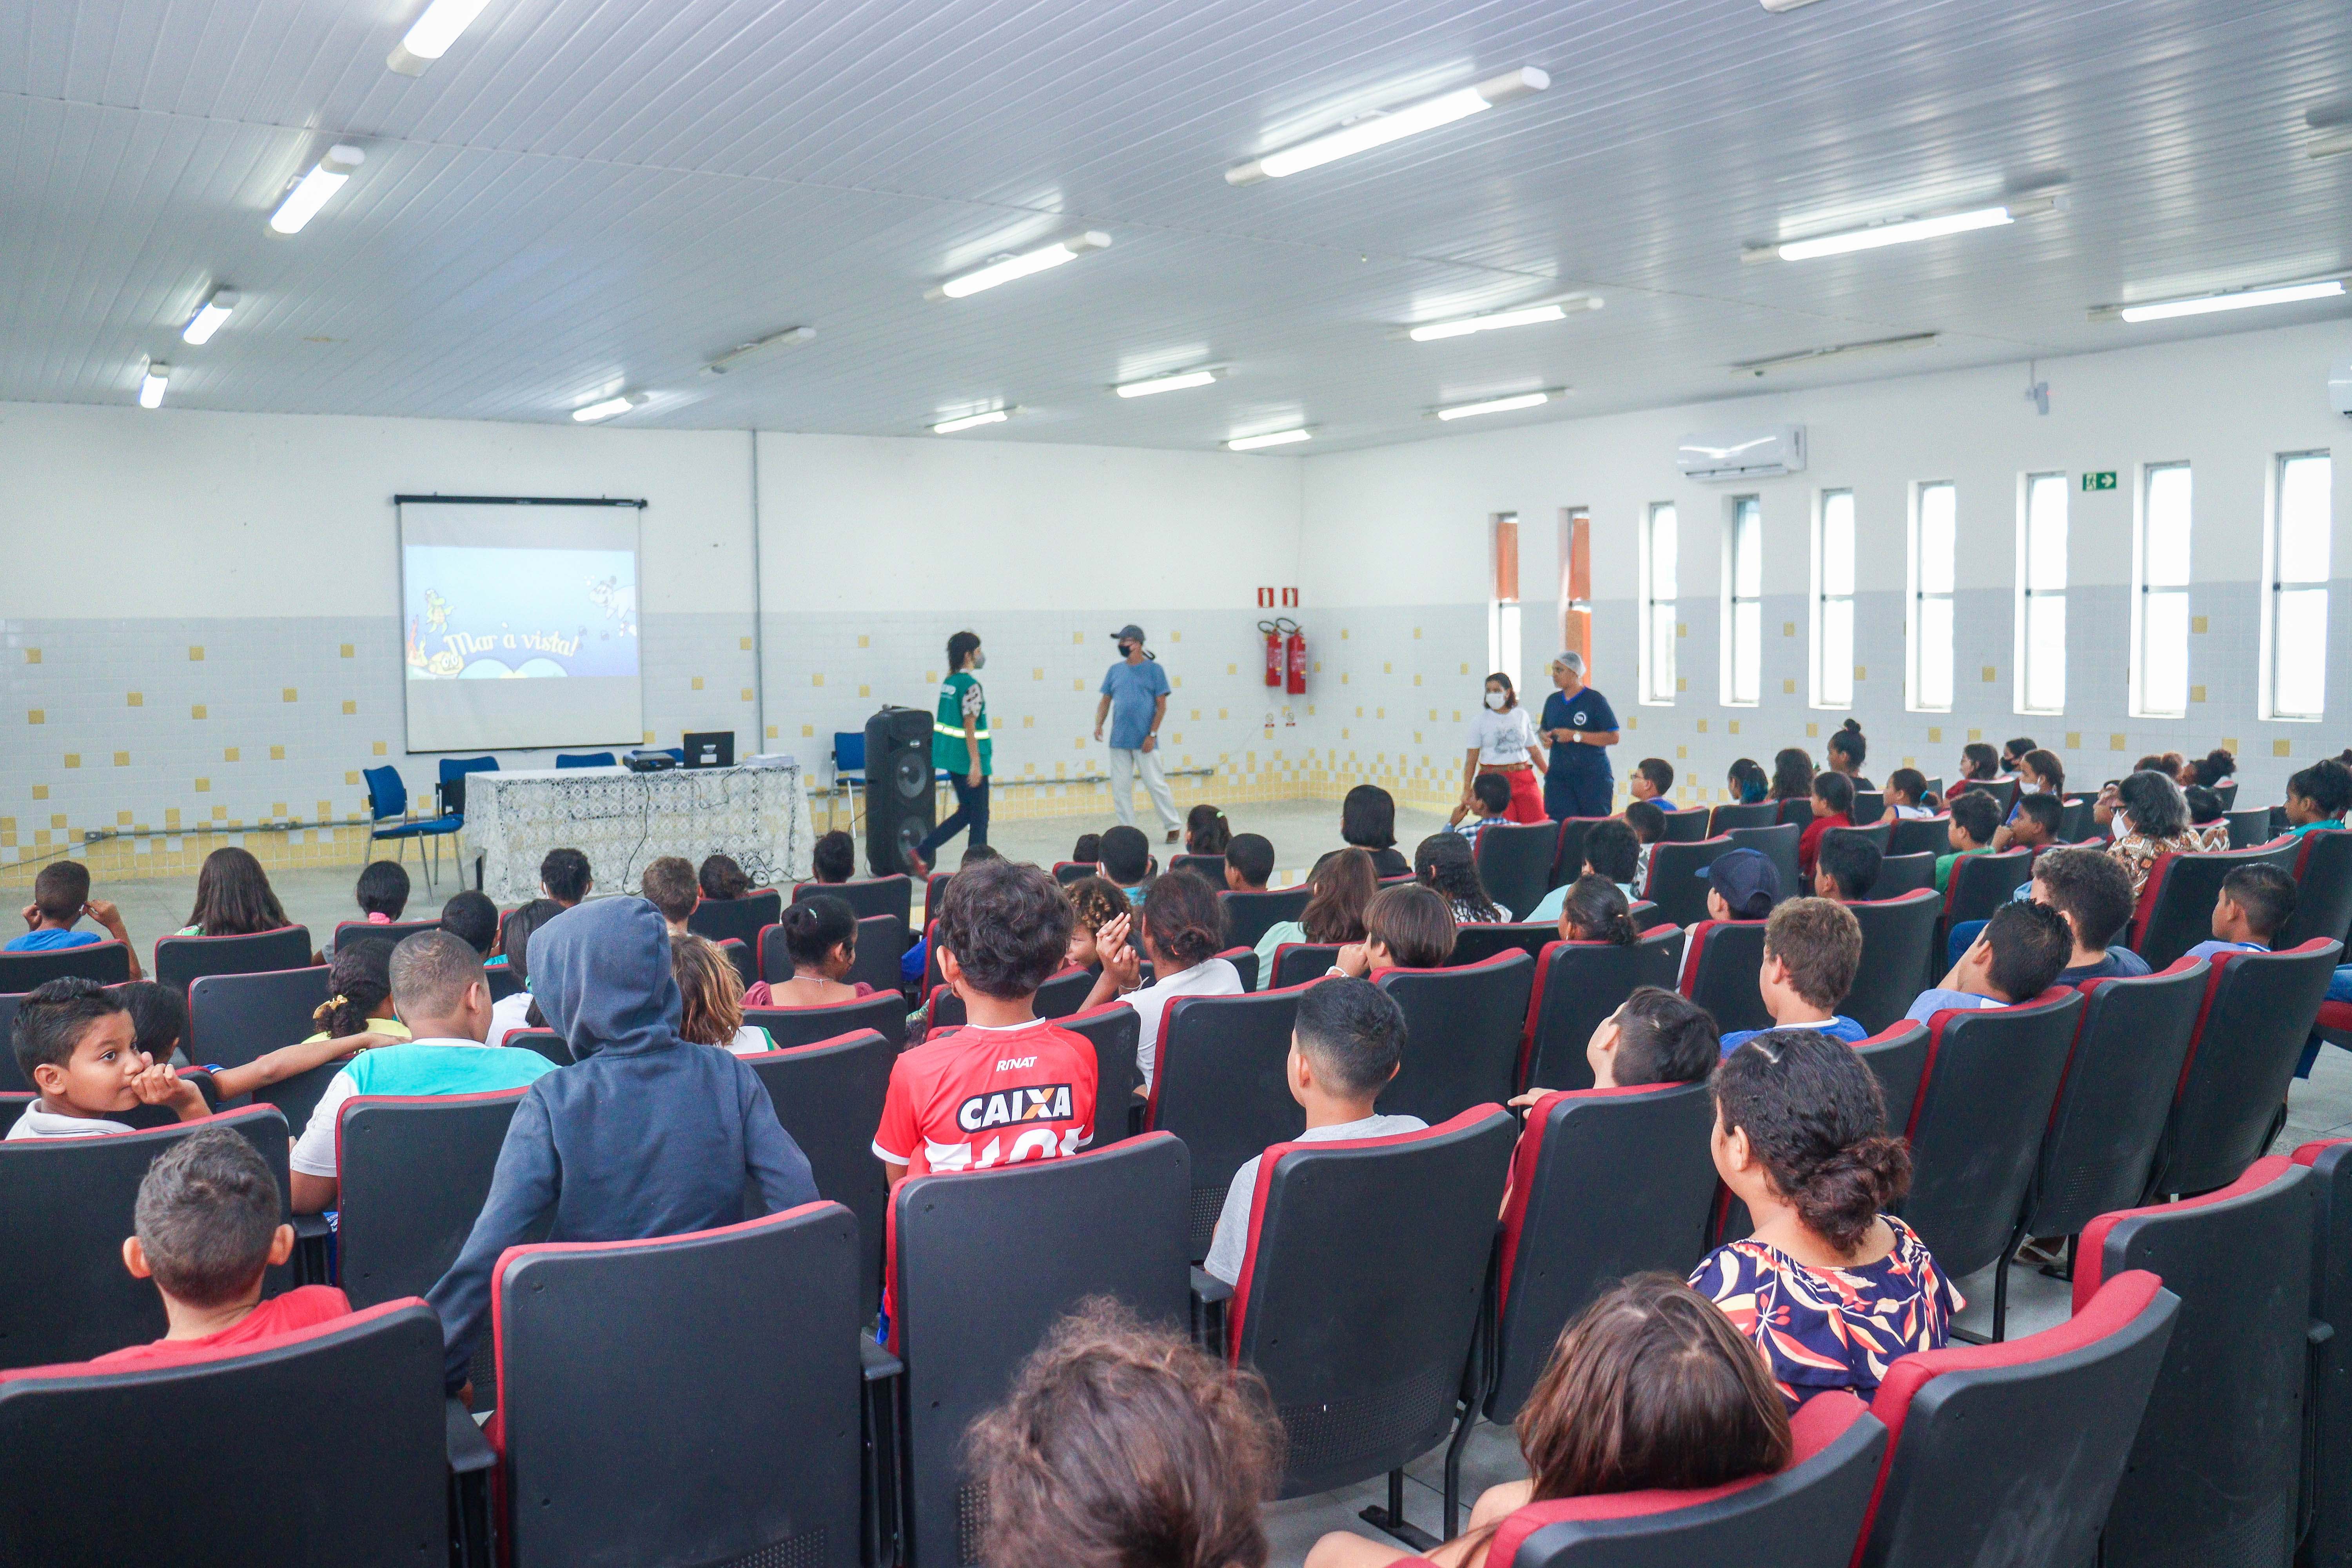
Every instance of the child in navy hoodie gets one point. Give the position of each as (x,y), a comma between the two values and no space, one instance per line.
(647,1134)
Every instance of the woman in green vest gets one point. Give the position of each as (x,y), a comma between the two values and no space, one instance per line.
(962,748)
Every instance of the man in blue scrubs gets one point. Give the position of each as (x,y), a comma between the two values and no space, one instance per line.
(1581,726)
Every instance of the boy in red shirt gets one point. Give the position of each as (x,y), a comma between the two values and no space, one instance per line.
(1006,1086)
(208,1233)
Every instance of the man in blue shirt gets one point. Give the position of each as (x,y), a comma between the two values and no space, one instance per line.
(1135,700)
(1581,726)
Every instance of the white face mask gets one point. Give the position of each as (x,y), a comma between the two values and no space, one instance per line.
(980,661)
(1495,699)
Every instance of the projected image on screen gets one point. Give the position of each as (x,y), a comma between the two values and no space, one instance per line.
(520,627)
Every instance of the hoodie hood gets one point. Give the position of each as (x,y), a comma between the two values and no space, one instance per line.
(600,973)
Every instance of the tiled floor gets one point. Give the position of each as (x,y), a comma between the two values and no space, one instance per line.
(2318,1106)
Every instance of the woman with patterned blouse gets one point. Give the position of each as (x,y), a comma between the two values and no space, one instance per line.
(1830,1287)
(2150,818)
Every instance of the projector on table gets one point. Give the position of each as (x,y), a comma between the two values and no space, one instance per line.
(648,760)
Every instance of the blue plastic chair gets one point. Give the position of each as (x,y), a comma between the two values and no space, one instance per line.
(388,805)
(584,760)
(849,768)
(453,773)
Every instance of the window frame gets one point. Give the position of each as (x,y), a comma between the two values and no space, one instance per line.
(1822,669)
(2274,585)
(1659,687)
(2145,591)
(1503,624)
(1917,595)
(1738,511)
(2025,667)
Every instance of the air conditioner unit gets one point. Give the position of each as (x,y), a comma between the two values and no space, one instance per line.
(1714,456)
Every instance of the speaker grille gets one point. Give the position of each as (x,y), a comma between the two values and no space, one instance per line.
(971,1518)
(805,1550)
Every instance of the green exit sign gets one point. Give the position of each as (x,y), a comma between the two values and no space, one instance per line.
(2103,481)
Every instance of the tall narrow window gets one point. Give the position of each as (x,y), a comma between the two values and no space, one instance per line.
(1743,600)
(1659,546)
(2042,595)
(1833,601)
(2295,646)
(1935,508)
(1503,609)
(2159,687)
(1576,582)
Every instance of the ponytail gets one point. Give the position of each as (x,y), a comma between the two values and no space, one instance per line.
(358,985)
(1597,910)
(815,925)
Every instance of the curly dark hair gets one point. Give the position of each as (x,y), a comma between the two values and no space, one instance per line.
(1184,920)
(359,987)
(1008,926)
(2154,803)
(1792,774)
(1446,862)
(1813,1115)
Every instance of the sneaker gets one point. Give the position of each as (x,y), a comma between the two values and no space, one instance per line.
(1173,834)
(916,866)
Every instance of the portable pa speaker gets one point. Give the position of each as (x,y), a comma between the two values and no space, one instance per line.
(900,802)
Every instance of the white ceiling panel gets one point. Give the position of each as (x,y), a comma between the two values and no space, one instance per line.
(587,196)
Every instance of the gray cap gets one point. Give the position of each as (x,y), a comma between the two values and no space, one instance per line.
(1129,633)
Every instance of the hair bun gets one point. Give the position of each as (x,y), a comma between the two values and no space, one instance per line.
(1851,726)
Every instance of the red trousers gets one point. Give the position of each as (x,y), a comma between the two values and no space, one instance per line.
(1526,793)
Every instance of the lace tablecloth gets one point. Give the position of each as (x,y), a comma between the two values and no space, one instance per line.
(622,820)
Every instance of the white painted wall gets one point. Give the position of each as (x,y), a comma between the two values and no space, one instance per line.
(1407,524)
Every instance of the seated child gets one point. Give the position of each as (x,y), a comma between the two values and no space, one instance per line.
(1653,1037)
(1651,1388)
(834,857)
(382,891)
(711,998)
(2254,905)
(74,1046)
(1094,902)
(1741,885)
(1747,782)
(516,1011)
(1182,927)
(208,1234)
(1349,1041)
(1125,859)
(444,1002)
(2018,956)
(1003,930)
(1249,863)
(820,934)
(1653,777)
(1828,1286)
(1490,795)
(61,897)
(2094,892)
(644,1135)
(1407,927)
(564,877)
(1343,886)
(159,1019)
(1206,831)
(1846,868)
(1812,951)
(1611,850)
(721,879)
(1976,817)
(1120,1444)
(2033,824)
(2318,796)
(1088,850)
(1833,808)
(1447,862)
(2208,822)
(915,962)
(1647,818)
(1907,798)
(1595,908)
(668,883)
(472,918)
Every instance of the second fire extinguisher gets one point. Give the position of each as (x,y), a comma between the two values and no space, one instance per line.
(1297,659)
(1274,654)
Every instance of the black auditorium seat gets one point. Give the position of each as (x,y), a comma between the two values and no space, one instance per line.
(1245,963)
(1515,861)
(2175,905)
(882,941)
(1068,871)
(869,896)
(108,963)
(1064,994)
(2323,890)
(395,932)
(233,1018)
(1222,1087)
(1777,843)
(1576,985)
(885,1013)
(1687,826)
(1913,835)
(1722,819)
(1298,962)
(744,958)
(829,1097)
(1477,943)
(2249,828)
(1568,852)
(1115,1031)
(2004,791)
(181,959)
(2330,1163)
(1900,874)
(1797,813)
(1249,916)
(1869,807)
(1462,1028)
(1674,882)
(1898,948)
(1720,963)
(1897,1057)
(1210,869)
(743,919)
(2260,1009)
(1982,883)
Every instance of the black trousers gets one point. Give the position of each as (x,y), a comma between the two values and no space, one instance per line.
(971,811)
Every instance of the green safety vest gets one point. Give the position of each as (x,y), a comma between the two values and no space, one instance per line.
(947,726)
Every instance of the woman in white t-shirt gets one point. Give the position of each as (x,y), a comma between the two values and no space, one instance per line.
(1504,741)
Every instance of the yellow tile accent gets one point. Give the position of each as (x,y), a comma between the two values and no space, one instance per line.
(1343,634)
(1812,731)
(647,741)
(1975,735)
(1682,629)
(379,746)
(121,819)
(2196,625)
(747,693)
(286,694)
(1787,685)
(2073,740)
(1028,720)
(349,651)
(806,731)
(37,715)
(220,814)
(229,755)
(57,821)
(1732,728)
(204,786)
(133,699)
(698,683)
(326,809)
(1935,737)
(197,711)
(743,643)
(352,776)
(277,754)
(2196,694)
(2116,742)
(1682,683)
(350,705)
(73,759)
(32,656)
(2278,749)
(1416,633)
(2230,746)
(1989,674)
(862,691)
(817,678)
(40,792)
(1861,673)
(1078,686)
(278,809)
(1233,669)
(121,759)
(1681,752)
(1702,726)
(772,731)
(1466,668)
(1788,629)
(864,640)
(1074,637)
(171,816)
(196,654)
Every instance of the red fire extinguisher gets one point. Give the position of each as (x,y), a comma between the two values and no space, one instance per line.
(1298,661)
(1274,654)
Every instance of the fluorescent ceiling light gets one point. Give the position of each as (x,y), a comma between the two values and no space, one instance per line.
(1902,232)
(1498,404)
(208,318)
(1011,266)
(1381,127)
(1274,438)
(1812,356)
(433,33)
(151,384)
(972,421)
(1518,316)
(303,201)
(1778,5)
(791,337)
(1176,382)
(2206,304)
(609,407)
(2331,142)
